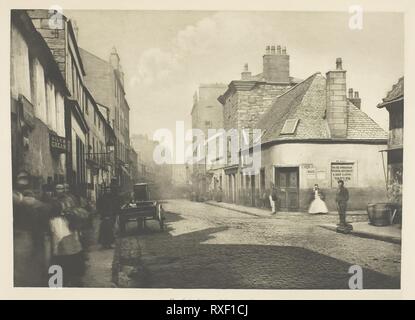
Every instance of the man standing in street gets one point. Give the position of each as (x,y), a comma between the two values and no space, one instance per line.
(342,196)
(273,197)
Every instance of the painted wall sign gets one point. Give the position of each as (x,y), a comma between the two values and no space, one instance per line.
(342,171)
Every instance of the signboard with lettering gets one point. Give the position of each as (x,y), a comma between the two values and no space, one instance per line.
(57,143)
(342,171)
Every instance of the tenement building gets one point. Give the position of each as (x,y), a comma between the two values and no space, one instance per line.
(62,41)
(314,132)
(38,93)
(105,80)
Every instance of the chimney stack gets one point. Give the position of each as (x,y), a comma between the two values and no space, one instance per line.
(246,74)
(276,66)
(355,99)
(350,93)
(336,101)
(114,59)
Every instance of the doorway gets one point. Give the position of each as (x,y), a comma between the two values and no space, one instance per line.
(287,182)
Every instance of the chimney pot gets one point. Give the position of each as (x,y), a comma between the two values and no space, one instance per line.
(278,49)
(267,51)
(339,64)
(284,50)
(350,93)
(246,67)
(356,94)
(272,49)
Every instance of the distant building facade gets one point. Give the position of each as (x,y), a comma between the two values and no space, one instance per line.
(207,113)
(105,80)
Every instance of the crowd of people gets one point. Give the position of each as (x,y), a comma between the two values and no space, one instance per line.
(50,228)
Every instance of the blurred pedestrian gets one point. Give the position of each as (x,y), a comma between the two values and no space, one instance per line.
(273,198)
(67,250)
(48,188)
(108,206)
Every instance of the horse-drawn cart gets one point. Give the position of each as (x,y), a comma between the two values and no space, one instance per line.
(141,208)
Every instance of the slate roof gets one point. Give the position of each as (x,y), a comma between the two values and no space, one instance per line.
(396,93)
(306,101)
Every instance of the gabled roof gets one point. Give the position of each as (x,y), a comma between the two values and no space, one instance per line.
(306,102)
(395,94)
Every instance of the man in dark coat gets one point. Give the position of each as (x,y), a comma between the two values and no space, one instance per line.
(342,196)
(108,206)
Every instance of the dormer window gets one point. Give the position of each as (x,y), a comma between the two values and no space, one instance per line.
(289,126)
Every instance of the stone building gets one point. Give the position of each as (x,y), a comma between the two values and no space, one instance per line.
(207,113)
(394,104)
(38,93)
(248,99)
(99,157)
(313,133)
(61,38)
(105,80)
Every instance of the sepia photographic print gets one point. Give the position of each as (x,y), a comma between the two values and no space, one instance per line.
(207,149)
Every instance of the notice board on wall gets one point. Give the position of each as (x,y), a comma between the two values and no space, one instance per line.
(343,171)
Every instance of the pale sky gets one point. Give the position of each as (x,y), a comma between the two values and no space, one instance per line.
(166,54)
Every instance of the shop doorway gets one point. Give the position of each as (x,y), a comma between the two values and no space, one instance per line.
(287,182)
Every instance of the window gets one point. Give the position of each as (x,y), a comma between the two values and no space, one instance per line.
(86,105)
(289,126)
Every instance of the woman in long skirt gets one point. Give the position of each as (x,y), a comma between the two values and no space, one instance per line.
(317,206)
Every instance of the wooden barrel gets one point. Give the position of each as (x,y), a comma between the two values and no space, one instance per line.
(379,214)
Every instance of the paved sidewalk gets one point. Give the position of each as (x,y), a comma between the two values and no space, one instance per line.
(365,230)
(267,212)
(98,273)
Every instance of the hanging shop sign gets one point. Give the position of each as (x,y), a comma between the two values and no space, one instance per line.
(57,143)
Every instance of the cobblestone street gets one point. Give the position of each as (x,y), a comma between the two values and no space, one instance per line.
(211,247)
